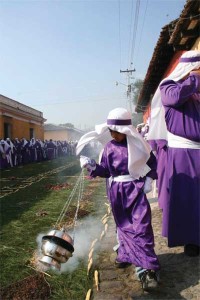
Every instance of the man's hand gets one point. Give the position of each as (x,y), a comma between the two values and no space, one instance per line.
(88,163)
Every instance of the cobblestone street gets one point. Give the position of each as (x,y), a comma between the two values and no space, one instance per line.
(179,273)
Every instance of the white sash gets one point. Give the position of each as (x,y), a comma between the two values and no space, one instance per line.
(120,178)
(123,178)
(175,141)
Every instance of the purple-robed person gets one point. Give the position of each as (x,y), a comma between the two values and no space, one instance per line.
(33,150)
(17,145)
(129,166)
(179,96)
(130,207)
(5,152)
(181,101)
(25,151)
(51,150)
(159,148)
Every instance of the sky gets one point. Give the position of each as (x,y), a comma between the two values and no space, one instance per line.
(64,57)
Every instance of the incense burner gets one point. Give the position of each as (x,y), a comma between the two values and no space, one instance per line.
(57,247)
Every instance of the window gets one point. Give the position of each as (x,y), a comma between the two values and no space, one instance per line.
(7,130)
(31,133)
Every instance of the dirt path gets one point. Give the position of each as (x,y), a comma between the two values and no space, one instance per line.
(179,274)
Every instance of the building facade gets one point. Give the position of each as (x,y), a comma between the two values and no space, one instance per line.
(61,133)
(20,121)
(175,38)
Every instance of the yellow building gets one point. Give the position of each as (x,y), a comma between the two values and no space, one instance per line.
(18,120)
(61,133)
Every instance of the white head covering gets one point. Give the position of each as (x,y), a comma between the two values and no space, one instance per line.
(32,142)
(24,142)
(119,119)
(6,146)
(189,61)
(8,140)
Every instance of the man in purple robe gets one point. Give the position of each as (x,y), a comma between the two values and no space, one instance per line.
(25,151)
(181,101)
(51,149)
(17,145)
(175,117)
(5,154)
(130,167)
(33,150)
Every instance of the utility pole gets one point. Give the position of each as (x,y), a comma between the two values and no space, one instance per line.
(129,72)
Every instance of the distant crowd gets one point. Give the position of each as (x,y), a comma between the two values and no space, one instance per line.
(20,152)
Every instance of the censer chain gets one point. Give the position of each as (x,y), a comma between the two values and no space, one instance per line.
(79,186)
(80,195)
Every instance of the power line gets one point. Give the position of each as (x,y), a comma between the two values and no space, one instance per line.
(119,34)
(134,31)
(131,25)
(142,29)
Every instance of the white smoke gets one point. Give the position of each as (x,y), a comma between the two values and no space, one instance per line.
(84,233)
(89,229)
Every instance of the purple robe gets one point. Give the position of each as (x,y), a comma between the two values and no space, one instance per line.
(51,150)
(33,153)
(18,151)
(181,222)
(25,153)
(130,207)
(160,147)
(4,151)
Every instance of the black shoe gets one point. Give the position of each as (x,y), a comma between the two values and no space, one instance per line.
(122,265)
(191,250)
(149,280)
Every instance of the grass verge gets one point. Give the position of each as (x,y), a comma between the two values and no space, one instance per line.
(34,209)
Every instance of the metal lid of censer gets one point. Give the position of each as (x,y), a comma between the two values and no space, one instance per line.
(57,247)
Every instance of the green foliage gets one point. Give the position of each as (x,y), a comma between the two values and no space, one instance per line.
(136,87)
(69,125)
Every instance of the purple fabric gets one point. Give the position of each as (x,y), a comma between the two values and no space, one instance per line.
(33,153)
(130,207)
(51,150)
(3,162)
(181,109)
(189,59)
(160,147)
(118,122)
(181,222)
(25,153)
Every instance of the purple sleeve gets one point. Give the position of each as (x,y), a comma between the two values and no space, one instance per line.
(174,94)
(102,168)
(100,171)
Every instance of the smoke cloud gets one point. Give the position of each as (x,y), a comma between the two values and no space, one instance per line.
(84,233)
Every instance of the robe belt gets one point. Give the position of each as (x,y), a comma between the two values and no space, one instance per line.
(175,141)
(120,178)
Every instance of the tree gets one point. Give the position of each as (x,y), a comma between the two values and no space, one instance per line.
(69,125)
(135,91)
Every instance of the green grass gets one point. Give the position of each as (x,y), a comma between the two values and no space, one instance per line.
(21,223)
